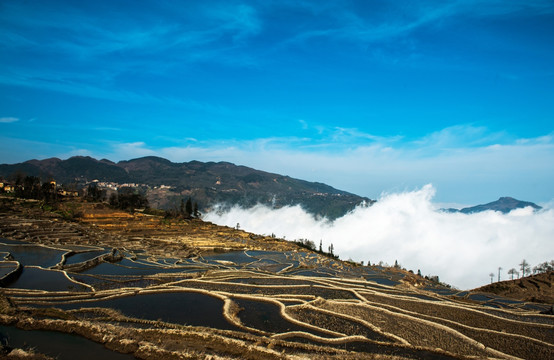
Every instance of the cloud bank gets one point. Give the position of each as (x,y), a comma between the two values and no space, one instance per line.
(462,249)
(466,164)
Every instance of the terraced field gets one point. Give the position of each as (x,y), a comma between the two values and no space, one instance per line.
(186,290)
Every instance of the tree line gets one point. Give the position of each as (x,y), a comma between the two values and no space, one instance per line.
(125,198)
(187,209)
(31,187)
(526,270)
(310,245)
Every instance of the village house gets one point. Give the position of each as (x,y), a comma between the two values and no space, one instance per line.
(6,187)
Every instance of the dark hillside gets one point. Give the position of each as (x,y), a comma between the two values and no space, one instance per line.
(207,183)
(83,168)
(224,182)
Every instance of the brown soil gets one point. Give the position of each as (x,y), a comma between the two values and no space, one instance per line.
(537,288)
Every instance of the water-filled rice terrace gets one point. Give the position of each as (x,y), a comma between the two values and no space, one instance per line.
(250,304)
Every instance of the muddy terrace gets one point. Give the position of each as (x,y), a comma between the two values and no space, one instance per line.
(133,285)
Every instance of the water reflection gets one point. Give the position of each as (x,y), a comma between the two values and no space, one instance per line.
(185,308)
(34,254)
(50,280)
(61,346)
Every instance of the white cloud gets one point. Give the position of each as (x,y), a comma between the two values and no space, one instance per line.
(126,151)
(461,249)
(368,165)
(77,152)
(6,120)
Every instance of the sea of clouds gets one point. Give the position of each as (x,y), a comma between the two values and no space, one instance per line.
(409,228)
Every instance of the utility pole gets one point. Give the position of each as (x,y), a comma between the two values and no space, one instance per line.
(499,268)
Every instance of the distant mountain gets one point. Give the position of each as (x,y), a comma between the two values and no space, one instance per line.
(503,204)
(206,183)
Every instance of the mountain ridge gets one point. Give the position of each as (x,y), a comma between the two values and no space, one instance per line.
(208,183)
(504,204)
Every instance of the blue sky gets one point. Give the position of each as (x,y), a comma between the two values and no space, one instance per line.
(367,96)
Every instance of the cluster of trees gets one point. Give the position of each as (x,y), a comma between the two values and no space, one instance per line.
(186,210)
(525,269)
(544,267)
(129,199)
(126,198)
(309,244)
(31,187)
(95,194)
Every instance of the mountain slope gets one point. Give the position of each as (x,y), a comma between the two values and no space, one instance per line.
(207,183)
(538,288)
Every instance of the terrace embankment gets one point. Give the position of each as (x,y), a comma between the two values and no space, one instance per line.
(177,289)
(98,224)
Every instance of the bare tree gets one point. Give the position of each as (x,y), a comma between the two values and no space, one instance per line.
(525,268)
(511,272)
(544,267)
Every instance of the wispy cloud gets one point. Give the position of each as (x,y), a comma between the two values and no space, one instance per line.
(6,120)
(87,35)
(407,33)
(131,150)
(102,47)
(166,38)
(241,19)
(106,128)
(498,8)
(462,172)
(85,85)
(460,136)
(402,19)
